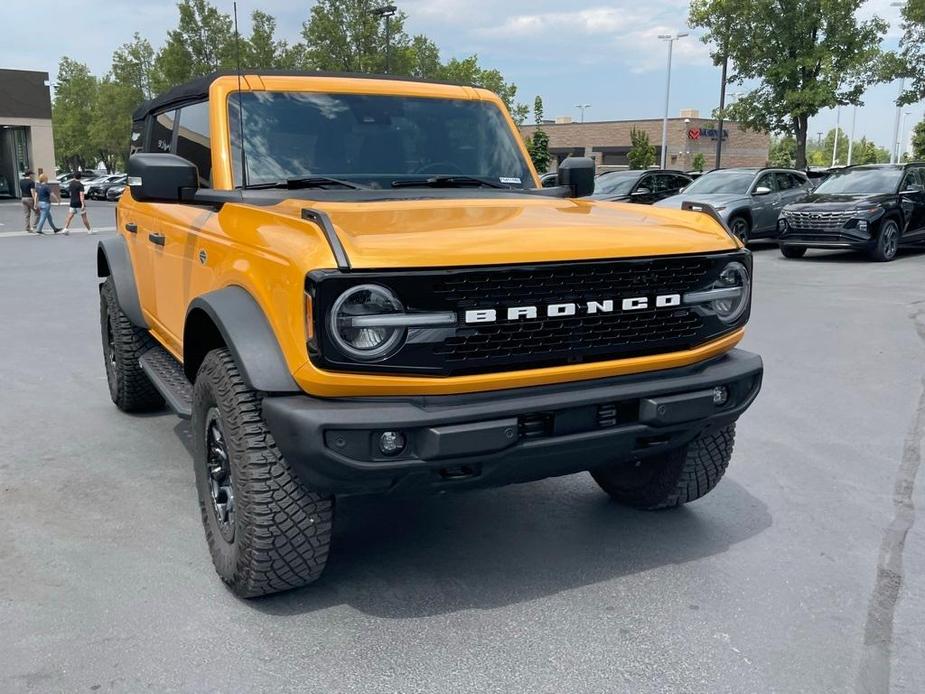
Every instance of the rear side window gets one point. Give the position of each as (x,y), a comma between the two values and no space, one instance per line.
(784,181)
(162,132)
(137,139)
(193,140)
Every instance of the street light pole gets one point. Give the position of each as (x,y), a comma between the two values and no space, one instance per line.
(837,128)
(722,105)
(582,108)
(901,145)
(894,147)
(670,38)
(385,12)
(854,113)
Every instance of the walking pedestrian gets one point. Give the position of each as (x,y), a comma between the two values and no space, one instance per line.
(27,193)
(78,204)
(44,194)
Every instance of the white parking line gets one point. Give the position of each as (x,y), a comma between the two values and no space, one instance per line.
(7,234)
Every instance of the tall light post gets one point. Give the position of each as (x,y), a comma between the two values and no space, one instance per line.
(670,38)
(837,129)
(900,150)
(854,113)
(582,107)
(386,12)
(894,148)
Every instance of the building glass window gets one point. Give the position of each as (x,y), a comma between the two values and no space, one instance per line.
(193,140)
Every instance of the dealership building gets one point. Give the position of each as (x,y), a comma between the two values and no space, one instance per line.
(26,140)
(608,142)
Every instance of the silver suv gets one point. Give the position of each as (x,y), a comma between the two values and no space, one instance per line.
(748,199)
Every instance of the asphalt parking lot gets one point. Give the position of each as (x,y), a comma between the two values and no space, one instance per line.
(803,572)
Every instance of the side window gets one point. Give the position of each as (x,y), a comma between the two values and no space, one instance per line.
(161,138)
(647,182)
(193,142)
(798,181)
(680,182)
(784,181)
(137,138)
(767,181)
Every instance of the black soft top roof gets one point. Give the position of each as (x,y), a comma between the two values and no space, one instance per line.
(198,89)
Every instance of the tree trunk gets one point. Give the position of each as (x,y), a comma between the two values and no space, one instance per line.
(800,126)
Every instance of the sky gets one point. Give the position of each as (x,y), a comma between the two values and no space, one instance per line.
(606,54)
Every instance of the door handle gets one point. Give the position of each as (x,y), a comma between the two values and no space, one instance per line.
(131,228)
(158,239)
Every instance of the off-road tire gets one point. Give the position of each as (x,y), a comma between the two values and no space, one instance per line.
(129,387)
(793,251)
(741,228)
(281,529)
(671,479)
(887,244)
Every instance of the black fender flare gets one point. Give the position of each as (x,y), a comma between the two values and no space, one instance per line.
(247,334)
(112,260)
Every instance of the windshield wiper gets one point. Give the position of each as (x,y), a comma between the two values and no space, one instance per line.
(307,182)
(447,182)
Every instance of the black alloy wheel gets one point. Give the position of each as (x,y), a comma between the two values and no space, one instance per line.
(218,471)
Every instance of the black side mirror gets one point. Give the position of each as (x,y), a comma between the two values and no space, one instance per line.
(642,191)
(155,177)
(578,174)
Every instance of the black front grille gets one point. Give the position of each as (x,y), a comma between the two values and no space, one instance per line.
(507,345)
(509,286)
(583,337)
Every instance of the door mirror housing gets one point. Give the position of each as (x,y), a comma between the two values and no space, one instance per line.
(578,174)
(642,191)
(156,177)
(762,190)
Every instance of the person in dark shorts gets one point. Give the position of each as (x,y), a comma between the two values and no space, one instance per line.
(44,194)
(29,206)
(78,204)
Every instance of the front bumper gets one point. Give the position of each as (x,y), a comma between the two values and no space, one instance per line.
(844,237)
(491,439)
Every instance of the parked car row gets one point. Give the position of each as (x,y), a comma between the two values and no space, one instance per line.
(875,208)
(96,185)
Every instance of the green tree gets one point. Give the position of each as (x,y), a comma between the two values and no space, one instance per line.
(72,113)
(813,54)
(918,141)
(202,43)
(263,50)
(841,155)
(347,36)
(133,65)
(782,151)
(642,153)
(699,162)
(538,144)
(110,124)
(910,62)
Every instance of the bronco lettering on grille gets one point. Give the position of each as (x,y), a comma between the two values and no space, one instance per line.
(564,310)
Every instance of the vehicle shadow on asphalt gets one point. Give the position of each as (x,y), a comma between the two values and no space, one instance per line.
(415,557)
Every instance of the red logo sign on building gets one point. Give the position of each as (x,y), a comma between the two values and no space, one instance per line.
(693,133)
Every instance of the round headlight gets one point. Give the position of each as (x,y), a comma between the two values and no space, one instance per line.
(365,342)
(730,308)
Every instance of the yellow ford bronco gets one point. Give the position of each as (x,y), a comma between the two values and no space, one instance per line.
(356,285)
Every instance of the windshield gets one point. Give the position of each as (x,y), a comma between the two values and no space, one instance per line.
(729,182)
(372,140)
(615,183)
(865,181)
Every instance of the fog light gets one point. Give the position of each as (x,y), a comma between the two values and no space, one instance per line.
(392,442)
(720,395)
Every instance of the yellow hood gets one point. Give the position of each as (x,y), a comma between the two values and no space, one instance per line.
(500,231)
